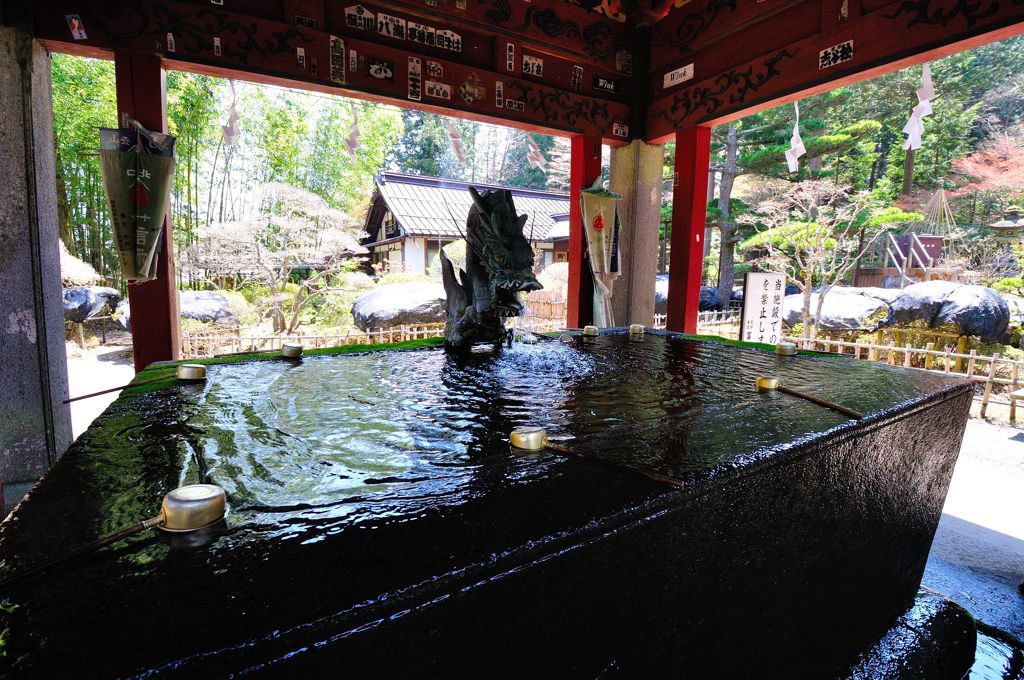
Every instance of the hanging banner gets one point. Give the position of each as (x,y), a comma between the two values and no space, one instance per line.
(602,228)
(137,167)
(761,319)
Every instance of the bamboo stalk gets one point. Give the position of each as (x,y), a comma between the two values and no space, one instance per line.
(988,384)
(1013,388)
(961,348)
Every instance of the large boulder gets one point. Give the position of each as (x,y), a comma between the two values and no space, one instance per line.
(85,302)
(920,303)
(123,314)
(737,292)
(202,305)
(1016,307)
(975,310)
(708,297)
(400,304)
(962,308)
(205,305)
(843,308)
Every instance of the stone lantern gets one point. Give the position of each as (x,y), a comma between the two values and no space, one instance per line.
(1011,228)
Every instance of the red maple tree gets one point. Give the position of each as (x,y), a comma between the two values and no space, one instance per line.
(997,167)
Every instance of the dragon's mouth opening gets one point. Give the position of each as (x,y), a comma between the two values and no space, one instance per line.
(517,281)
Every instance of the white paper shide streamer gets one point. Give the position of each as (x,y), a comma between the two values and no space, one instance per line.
(914,129)
(796,145)
(352,143)
(456,140)
(230,129)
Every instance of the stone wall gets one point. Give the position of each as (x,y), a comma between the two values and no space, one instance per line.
(35,426)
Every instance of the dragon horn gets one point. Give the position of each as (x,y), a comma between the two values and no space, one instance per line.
(479,202)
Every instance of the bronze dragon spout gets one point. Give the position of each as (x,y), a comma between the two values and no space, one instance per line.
(499,264)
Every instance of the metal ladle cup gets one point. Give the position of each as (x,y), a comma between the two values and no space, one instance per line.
(185,509)
(192,507)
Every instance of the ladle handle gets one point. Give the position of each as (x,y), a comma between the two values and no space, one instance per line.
(579,454)
(81,550)
(856,415)
(120,387)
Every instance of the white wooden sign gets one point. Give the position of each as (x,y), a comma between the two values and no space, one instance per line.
(762,307)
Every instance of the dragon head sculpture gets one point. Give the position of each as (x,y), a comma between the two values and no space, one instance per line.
(499,264)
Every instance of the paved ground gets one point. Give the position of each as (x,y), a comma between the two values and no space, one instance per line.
(97,369)
(977,558)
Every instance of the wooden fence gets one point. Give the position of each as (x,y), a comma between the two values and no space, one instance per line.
(199,344)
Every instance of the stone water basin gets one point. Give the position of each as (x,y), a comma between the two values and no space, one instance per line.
(381,524)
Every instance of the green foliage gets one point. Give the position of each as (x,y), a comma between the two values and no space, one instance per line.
(253,294)
(456,252)
(789,237)
(887,216)
(1014,285)
(83,100)
(402,277)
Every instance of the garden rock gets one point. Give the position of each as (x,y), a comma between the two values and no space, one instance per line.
(123,314)
(975,310)
(843,308)
(737,292)
(1016,308)
(205,305)
(399,304)
(920,303)
(85,302)
(708,297)
(939,305)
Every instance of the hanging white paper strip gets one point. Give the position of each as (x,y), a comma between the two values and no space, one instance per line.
(230,129)
(456,139)
(796,145)
(352,143)
(914,129)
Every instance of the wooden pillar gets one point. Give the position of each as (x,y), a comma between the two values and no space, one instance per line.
(142,95)
(585,167)
(689,214)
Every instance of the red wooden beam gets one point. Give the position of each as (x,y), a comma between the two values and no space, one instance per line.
(585,167)
(715,61)
(564,97)
(689,214)
(142,95)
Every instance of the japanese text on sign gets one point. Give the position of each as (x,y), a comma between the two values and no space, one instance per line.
(762,307)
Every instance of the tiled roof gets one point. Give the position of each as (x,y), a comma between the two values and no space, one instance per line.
(434,207)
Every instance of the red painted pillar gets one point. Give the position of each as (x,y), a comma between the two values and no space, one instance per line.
(142,94)
(585,167)
(689,214)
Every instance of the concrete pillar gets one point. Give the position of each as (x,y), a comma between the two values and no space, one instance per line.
(35,426)
(636,171)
